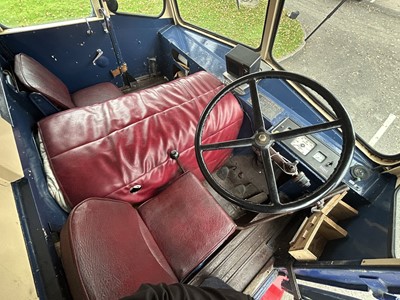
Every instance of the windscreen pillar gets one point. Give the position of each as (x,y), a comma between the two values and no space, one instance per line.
(10,165)
(19,283)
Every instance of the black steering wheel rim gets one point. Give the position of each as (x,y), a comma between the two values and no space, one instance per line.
(342,121)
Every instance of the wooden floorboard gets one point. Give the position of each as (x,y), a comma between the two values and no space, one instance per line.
(244,256)
(249,254)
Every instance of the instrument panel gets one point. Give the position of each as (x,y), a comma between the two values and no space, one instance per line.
(310,150)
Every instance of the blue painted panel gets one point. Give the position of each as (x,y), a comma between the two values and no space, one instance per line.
(68,51)
(205,52)
(370,233)
(24,117)
(351,276)
(138,39)
(34,203)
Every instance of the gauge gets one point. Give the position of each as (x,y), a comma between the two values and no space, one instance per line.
(303,144)
(319,157)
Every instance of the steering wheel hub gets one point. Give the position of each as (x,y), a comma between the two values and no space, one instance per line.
(263,139)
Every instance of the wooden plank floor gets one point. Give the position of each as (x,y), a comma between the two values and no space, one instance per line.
(244,256)
(250,252)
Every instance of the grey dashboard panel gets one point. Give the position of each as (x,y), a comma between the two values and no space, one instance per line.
(311,150)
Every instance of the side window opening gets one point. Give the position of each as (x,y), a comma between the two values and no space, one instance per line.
(241,21)
(153,8)
(27,13)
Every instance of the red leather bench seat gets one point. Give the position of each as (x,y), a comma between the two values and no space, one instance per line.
(105,149)
(108,249)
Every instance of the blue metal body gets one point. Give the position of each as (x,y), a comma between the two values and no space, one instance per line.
(351,276)
(68,51)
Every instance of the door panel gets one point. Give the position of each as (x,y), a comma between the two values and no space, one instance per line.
(138,40)
(68,51)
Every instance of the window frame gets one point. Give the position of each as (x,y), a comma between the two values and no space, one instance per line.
(123,13)
(93,16)
(375,155)
(217,36)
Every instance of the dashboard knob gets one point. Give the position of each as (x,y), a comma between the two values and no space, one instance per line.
(359,172)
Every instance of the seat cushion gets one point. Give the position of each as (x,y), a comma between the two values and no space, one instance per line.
(103,150)
(96,94)
(187,224)
(37,78)
(107,251)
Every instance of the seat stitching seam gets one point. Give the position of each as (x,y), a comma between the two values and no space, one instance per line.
(165,161)
(138,122)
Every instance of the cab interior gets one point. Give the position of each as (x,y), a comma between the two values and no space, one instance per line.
(188,162)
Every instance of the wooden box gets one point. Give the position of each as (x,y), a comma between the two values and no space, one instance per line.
(315,231)
(311,238)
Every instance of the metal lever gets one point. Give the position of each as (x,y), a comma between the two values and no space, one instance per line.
(99,54)
(89,31)
(174,154)
(106,23)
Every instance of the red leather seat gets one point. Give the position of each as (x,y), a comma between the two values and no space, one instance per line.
(104,150)
(108,249)
(37,78)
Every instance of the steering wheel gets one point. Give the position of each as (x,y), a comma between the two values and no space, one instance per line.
(262,140)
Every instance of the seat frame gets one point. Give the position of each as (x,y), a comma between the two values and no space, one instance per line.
(37,78)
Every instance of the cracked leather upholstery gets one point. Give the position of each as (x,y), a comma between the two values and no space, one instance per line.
(108,249)
(187,223)
(103,150)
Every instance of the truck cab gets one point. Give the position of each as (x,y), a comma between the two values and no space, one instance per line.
(170,141)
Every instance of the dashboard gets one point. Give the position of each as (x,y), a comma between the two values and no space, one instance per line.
(311,151)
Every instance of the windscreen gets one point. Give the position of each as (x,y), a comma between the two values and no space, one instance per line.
(353,48)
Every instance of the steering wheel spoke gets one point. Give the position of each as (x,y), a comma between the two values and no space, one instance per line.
(246,142)
(305,130)
(255,101)
(270,177)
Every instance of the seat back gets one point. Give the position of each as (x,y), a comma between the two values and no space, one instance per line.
(107,251)
(37,78)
